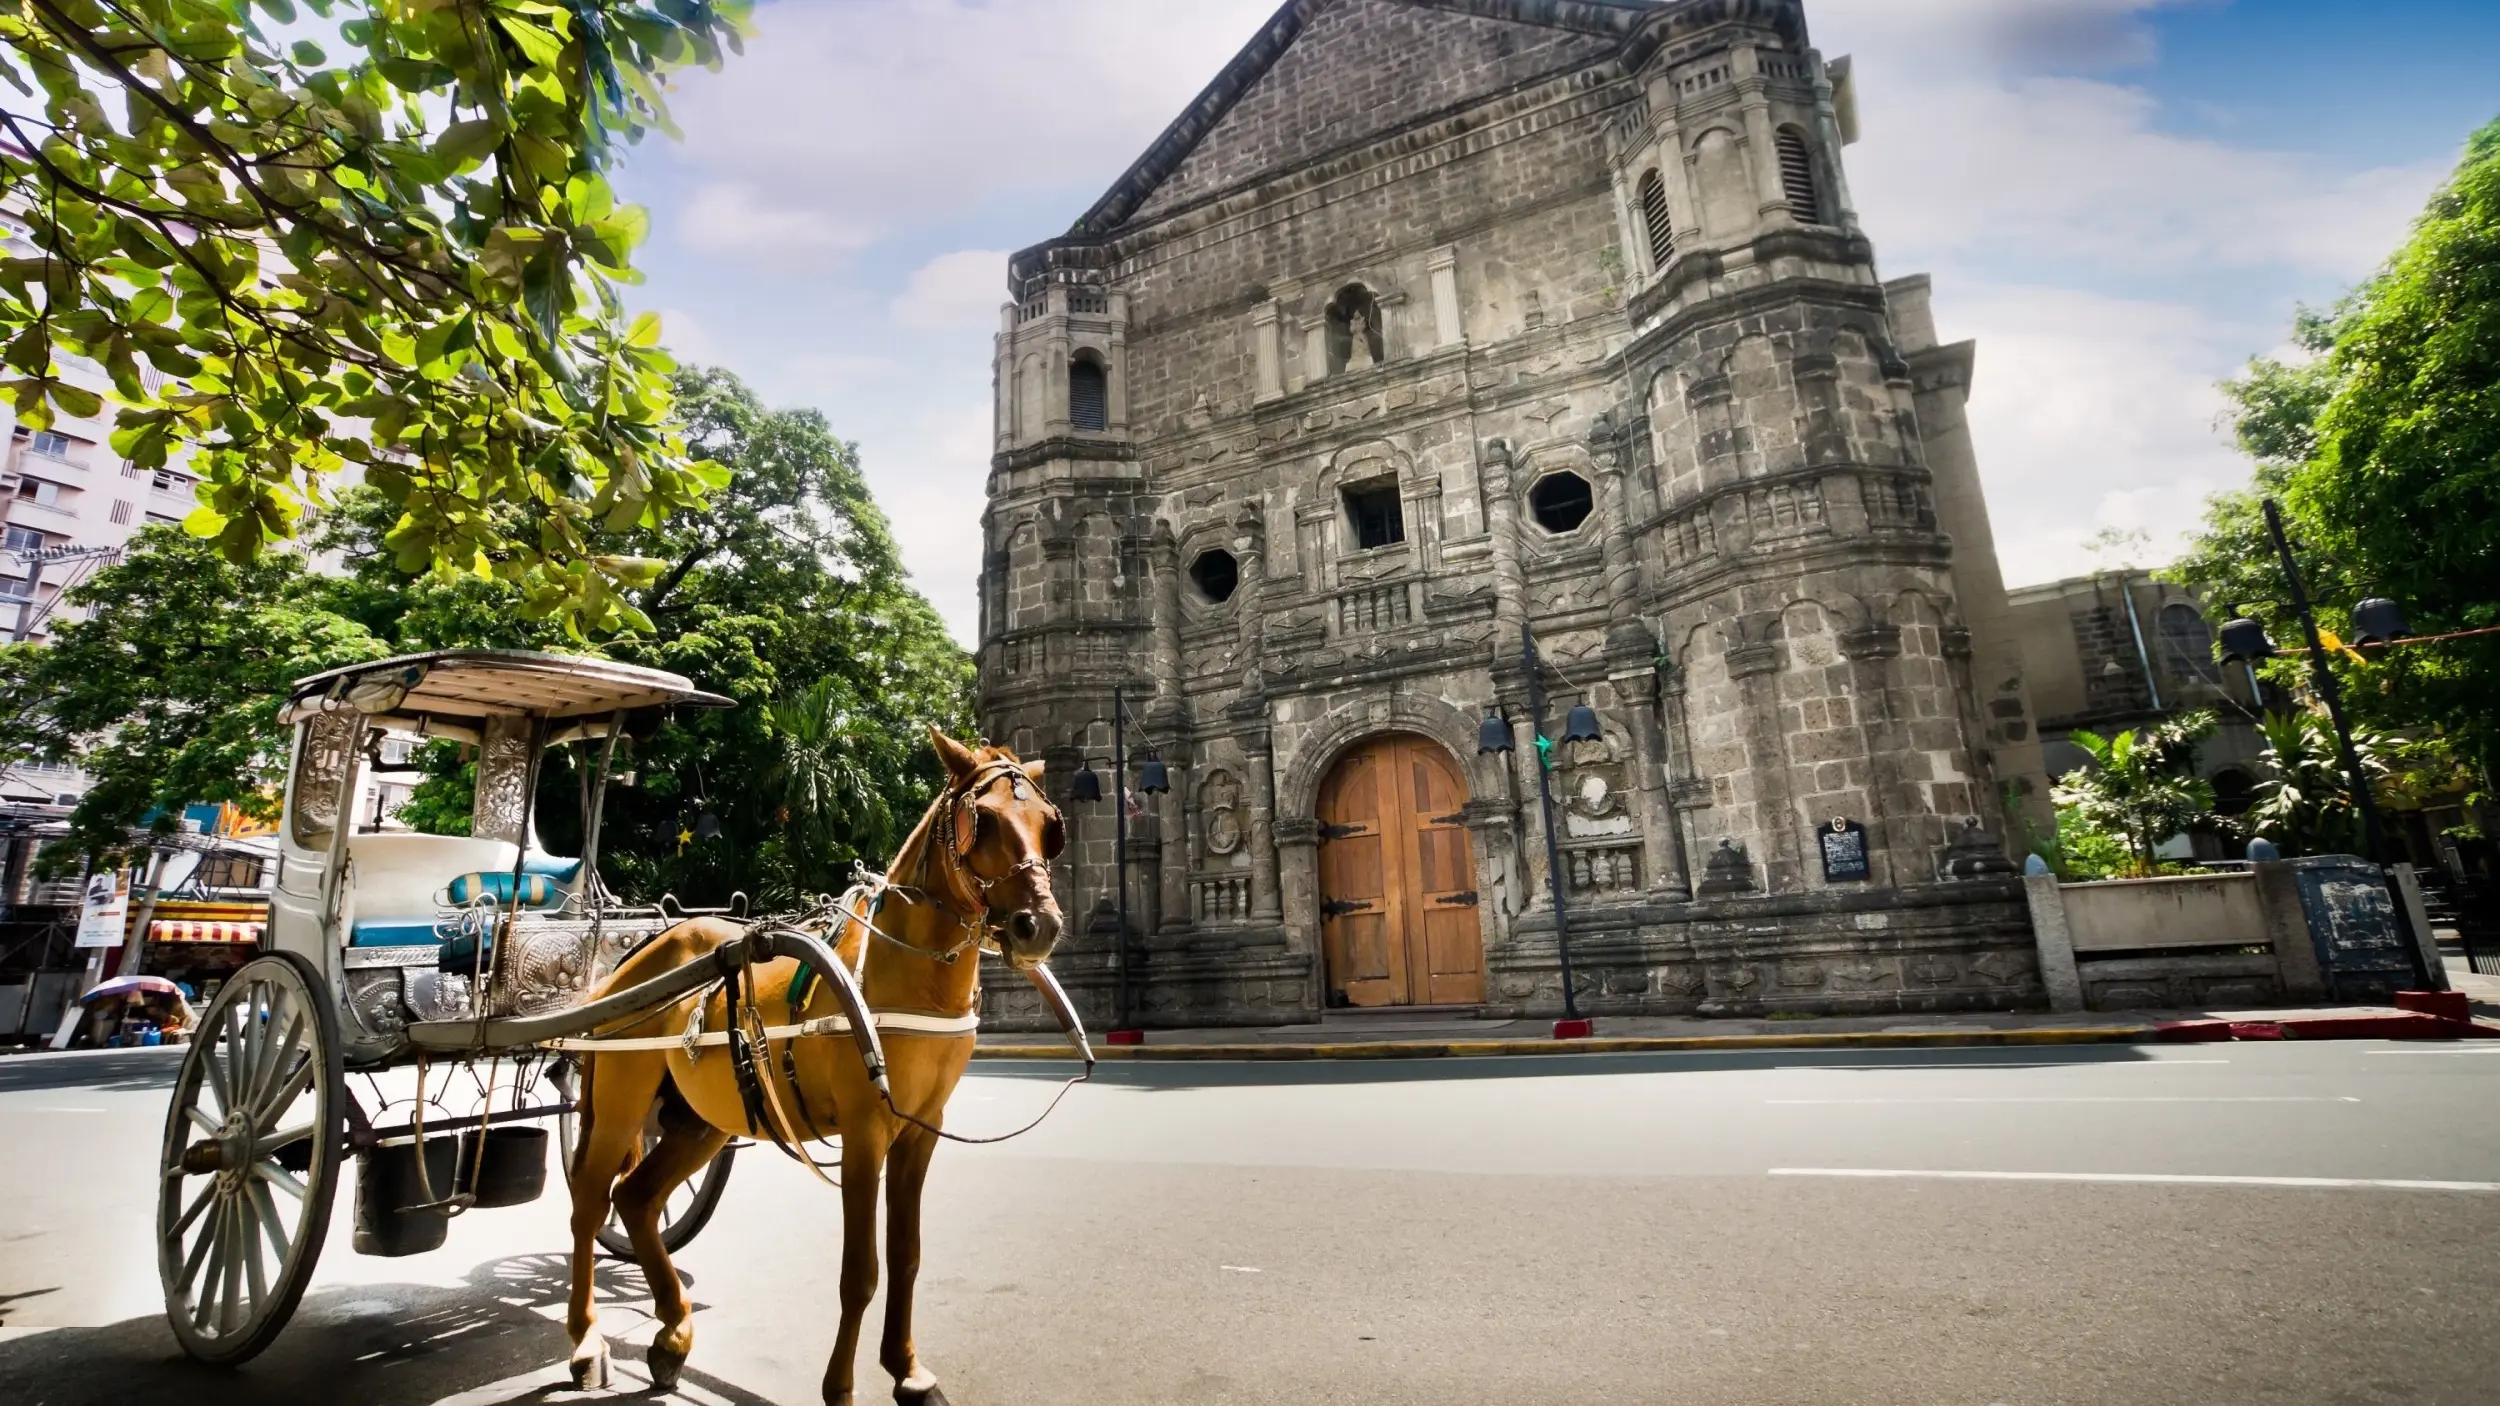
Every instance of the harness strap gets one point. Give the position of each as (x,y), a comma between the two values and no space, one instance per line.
(909,1022)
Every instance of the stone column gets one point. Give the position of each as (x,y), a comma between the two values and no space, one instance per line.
(1755,666)
(1895,851)
(1448,329)
(1297,852)
(1501,517)
(1623,566)
(1632,666)
(1267,350)
(1259,747)
(1754,102)
(1844,210)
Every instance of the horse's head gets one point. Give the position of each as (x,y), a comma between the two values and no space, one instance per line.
(1004,832)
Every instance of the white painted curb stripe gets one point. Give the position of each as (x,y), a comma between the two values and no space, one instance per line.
(2080,1098)
(2140,1178)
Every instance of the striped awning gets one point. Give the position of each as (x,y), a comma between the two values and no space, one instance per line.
(185,930)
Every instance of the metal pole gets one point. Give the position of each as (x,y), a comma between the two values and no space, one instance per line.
(26,608)
(2135,626)
(2374,835)
(1119,848)
(1545,808)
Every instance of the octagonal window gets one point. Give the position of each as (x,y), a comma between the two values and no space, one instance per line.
(1216,574)
(1561,501)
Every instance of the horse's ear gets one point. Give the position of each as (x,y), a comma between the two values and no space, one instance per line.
(959,760)
(1033,768)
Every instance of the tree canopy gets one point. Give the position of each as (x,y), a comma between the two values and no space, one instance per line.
(2382,443)
(404,258)
(786,593)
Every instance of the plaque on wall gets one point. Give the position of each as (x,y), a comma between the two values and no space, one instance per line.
(1844,851)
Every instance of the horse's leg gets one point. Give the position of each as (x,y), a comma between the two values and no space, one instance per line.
(906,1172)
(687,1144)
(863,1156)
(616,1096)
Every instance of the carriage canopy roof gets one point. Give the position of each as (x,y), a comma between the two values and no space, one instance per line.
(463,684)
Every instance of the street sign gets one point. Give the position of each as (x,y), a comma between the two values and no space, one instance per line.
(1844,851)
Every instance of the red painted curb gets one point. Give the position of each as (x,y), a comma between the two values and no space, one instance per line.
(2447,1005)
(2414,1026)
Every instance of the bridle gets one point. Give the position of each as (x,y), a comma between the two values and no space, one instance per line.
(956,831)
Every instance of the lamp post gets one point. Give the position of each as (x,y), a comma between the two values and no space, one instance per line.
(1153,779)
(1494,736)
(2376,621)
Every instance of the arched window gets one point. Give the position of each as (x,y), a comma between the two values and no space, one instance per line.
(1797,176)
(1089,395)
(1353,330)
(1660,224)
(2187,643)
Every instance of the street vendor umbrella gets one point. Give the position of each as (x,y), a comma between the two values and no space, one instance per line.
(130,985)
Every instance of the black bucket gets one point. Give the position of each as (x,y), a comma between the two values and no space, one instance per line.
(387,1186)
(515,1169)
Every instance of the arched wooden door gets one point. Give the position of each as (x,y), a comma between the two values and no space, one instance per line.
(1397,878)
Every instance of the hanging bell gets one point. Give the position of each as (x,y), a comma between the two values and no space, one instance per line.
(1087,786)
(1154,779)
(2378,620)
(707,826)
(1582,726)
(1493,736)
(2244,642)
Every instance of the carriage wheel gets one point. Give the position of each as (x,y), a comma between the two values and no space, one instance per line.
(689,1207)
(253,1142)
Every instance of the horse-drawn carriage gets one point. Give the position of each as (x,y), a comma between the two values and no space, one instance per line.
(484,955)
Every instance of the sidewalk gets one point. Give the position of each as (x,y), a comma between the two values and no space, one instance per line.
(1387,1035)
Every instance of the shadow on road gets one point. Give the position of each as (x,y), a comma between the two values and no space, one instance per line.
(111,1071)
(498,1339)
(1178,1075)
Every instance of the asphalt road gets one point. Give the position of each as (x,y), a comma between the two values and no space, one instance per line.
(2250,1223)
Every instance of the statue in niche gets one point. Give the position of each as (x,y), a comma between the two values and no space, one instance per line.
(1354,331)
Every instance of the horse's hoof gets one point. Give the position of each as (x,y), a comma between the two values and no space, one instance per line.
(930,1395)
(666,1367)
(590,1370)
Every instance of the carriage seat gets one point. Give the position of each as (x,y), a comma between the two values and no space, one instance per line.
(399,886)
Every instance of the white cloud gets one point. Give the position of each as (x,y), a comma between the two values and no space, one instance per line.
(732,218)
(929,481)
(962,289)
(2089,411)
(893,113)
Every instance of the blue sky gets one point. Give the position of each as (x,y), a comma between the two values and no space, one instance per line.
(2122,200)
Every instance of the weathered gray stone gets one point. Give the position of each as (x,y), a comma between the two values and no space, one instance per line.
(1395,266)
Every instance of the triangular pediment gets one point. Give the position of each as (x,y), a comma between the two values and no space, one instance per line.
(1324,74)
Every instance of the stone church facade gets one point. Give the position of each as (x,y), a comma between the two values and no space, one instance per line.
(1436,326)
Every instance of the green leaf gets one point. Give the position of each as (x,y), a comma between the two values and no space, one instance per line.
(464,142)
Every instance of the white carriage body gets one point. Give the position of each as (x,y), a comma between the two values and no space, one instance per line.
(372,911)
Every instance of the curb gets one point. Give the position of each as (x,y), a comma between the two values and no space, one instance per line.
(1660,1044)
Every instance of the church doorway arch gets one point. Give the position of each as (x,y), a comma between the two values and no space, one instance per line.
(1397,877)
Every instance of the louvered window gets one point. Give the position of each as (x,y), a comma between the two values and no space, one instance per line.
(1797,177)
(1089,397)
(1661,224)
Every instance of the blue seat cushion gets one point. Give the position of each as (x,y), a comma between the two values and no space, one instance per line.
(394,932)
(563,871)
(539,891)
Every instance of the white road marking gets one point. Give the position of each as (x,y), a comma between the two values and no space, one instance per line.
(2085,1098)
(4,1109)
(1238,1268)
(2449,1054)
(2141,1178)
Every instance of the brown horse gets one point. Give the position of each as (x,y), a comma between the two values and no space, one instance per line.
(974,873)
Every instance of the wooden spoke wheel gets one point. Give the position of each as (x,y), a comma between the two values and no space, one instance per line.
(253,1142)
(690,1205)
